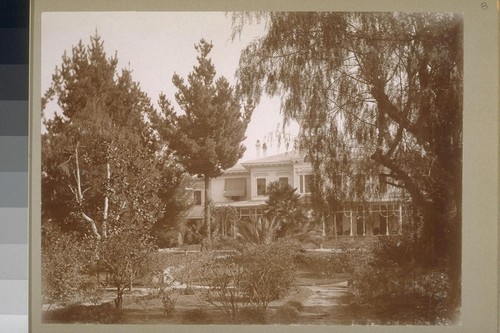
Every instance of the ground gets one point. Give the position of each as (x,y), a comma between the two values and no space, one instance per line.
(320,300)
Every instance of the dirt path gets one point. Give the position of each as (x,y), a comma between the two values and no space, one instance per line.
(326,305)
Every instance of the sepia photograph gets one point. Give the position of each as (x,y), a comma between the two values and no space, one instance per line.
(251,168)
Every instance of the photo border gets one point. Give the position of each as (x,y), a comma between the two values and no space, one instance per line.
(480,264)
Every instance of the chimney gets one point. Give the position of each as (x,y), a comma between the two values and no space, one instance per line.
(257,147)
(264,150)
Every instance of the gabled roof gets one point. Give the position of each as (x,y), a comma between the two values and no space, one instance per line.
(279,159)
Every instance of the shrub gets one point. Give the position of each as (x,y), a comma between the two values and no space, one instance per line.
(252,315)
(102,314)
(92,292)
(269,271)
(287,314)
(168,306)
(63,262)
(327,264)
(196,316)
(398,288)
(295,304)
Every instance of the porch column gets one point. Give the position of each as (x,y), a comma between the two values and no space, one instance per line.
(400,229)
(323,224)
(387,225)
(350,222)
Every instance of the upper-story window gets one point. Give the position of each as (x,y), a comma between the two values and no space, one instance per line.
(305,183)
(261,186)
(197,197)
(283,181)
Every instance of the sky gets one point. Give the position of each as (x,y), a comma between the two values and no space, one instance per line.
(155,45)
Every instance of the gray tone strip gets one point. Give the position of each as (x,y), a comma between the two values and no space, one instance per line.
(14,82)
(14,323)
(14,297)
(13,225)
(14,46)
(14,118)
(13,262)
(13,189)
(13,153)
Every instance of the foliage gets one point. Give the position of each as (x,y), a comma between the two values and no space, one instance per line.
(327,264)
(196,316)
(252,315)
(103,173)
(176,202)
(126,254)
(284,206)
(168,305)
(288,313)
(99,314)
(207,137)
(258,231)
(388,280)
(63,263)
(224,277)
(269,271)
(375,94)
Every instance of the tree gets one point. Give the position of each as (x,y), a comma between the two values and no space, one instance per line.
(100,162)
(284,206)
(176,200)
(207,137)
(388,84)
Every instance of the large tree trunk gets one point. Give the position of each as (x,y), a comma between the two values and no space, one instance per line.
(208,200)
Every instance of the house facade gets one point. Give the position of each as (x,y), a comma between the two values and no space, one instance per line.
(243,187)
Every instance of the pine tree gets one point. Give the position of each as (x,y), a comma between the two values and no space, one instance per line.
(207,137)
(101,170)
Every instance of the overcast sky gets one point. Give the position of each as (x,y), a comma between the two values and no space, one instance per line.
(156,45)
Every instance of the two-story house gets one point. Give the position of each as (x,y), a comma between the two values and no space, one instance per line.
(244,188)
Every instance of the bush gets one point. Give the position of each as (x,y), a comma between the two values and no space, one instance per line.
(269,271)
(63,262)
(100,314)
(399,289)
(252,315)
(168,306)
(289,313)
(326,264)
(196,316)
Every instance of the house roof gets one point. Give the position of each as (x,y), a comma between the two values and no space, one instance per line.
(237,168)
(284,158)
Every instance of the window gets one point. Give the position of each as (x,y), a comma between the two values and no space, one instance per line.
(197,197)
(305,183)
(283,181)
(261,186)
(234,187)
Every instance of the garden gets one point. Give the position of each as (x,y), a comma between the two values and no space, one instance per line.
(283,282)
